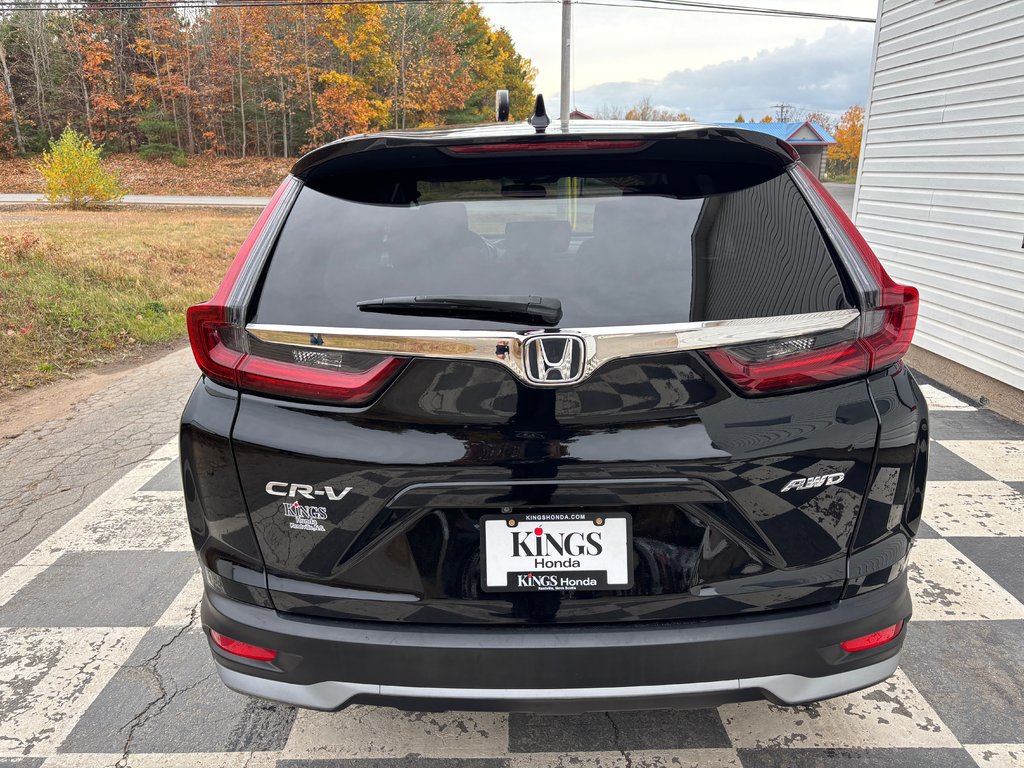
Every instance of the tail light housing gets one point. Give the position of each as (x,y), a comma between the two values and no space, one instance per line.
(881,337)
(224,353)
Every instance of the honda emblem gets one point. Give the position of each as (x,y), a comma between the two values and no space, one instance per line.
(555,358)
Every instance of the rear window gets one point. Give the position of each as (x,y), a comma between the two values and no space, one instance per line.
(634,244)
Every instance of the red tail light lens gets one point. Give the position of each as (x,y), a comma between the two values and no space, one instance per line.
(208,332)
(761,376)
(301,382)
(883,338)
(245,650)
(221,354)
(875,639)
(222,349)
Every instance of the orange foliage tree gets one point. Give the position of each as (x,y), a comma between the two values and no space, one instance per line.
(256,79)
(844,155)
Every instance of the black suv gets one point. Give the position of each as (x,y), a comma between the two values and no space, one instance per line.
(608,417)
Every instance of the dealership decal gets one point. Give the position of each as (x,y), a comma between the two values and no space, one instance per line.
(305,517)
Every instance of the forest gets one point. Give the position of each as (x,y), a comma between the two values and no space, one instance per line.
(245,80)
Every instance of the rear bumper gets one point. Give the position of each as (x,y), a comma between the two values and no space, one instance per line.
(791,657)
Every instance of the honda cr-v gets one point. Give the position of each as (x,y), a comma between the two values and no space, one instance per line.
(610,416)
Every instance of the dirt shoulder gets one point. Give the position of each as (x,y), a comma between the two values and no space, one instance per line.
(251,177)
(24,409)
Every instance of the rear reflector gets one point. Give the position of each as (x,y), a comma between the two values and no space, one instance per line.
(238,648)
(875,639)
(883,337)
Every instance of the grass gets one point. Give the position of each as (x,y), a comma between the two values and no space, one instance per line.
(80,288)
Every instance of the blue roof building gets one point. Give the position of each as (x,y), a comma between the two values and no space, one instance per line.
(811,140)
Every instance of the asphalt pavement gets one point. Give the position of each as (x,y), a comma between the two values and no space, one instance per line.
(843,193)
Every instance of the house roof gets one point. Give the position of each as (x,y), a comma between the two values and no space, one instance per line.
(786,131)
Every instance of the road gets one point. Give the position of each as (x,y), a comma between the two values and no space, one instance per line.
(209,201)
(843,193)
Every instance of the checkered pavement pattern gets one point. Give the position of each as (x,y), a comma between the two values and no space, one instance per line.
(103,662)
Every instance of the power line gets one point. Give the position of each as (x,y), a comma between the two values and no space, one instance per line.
(741,10)
(689,6)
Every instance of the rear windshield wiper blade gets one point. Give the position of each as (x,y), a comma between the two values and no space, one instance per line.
(534,310)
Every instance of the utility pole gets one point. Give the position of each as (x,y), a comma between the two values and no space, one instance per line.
(784,112)
(566,94)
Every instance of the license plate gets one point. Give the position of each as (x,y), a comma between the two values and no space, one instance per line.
(561,551)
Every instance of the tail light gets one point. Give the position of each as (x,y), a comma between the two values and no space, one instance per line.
(881,337)
(875,639)
(238,648)
(224,353)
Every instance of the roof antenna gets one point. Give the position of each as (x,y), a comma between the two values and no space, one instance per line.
(539,120)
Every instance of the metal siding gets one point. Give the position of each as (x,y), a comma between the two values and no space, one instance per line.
(940,195)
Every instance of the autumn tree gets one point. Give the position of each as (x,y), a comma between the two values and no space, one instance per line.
(271,79)
(7,141)
(609,112)
(844,155)
(740,118)
(824,119)
(492,64)
(350,101)
(645,110)
(8,107)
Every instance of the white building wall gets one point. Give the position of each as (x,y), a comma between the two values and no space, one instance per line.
(940,195)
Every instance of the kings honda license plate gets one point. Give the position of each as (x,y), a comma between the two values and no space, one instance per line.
(532,551)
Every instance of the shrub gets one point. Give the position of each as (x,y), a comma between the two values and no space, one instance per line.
(161,151)
(74,174)
(157,127)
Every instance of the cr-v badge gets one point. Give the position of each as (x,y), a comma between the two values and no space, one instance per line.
(305,491)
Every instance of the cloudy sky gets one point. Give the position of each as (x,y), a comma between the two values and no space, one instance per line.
(711,66)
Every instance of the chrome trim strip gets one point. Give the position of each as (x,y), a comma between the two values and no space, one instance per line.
(335,694)
(602,345)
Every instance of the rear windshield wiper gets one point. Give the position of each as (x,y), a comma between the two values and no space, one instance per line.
(534,310)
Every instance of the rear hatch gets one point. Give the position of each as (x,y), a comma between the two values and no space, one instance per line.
(699,405)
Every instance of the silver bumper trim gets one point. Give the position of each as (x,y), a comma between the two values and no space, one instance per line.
(334,694)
